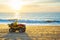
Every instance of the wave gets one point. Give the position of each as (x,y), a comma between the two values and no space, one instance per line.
(30,21)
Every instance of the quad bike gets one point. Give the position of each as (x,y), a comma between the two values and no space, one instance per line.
(17,27)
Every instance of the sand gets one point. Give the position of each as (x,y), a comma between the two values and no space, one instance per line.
(33,32)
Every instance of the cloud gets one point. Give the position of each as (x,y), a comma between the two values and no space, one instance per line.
(35,6)
(5,8)
(5,1)
(43,0)
(40,8)
(56,0)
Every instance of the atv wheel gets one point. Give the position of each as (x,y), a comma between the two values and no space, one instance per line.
(11,30)
(22,30)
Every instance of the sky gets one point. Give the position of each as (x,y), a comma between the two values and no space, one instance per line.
(20,8)
(29,5)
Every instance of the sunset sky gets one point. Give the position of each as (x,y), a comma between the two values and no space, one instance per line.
(19,8)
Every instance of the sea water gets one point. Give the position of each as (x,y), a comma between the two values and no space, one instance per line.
(40,18)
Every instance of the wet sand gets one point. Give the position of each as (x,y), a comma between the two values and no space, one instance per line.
(33,32)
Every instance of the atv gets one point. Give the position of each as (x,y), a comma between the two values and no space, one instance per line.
(17,27)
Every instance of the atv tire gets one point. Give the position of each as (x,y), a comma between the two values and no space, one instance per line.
(11,30)
(22,30)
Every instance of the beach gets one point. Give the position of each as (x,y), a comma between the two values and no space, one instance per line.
(33,32)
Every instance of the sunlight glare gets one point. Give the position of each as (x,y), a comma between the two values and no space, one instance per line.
(15,4)
(16,16)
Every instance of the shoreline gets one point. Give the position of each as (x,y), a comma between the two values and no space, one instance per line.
(37,24)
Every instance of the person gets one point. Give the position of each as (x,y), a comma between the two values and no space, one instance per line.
(15,23)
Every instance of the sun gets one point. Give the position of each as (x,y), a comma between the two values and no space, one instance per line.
(15,4)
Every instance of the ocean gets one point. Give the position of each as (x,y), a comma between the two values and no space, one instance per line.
(31,22)
(39,18)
